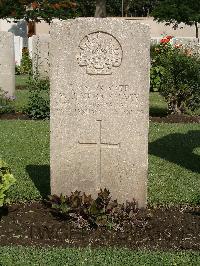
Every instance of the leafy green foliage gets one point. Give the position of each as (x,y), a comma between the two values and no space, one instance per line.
(17,70)
(140,8)
(38,106)
(37,10)
(6,105)
(99,212)
(156,74)
(26,63)
(176,11)
(6,180)
(178,77)
(86,8)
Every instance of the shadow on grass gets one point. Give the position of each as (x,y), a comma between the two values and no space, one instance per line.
(40,175)
(158,111)
(179,149)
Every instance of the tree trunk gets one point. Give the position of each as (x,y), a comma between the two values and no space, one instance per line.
(126,7)
(100,9)
(197,30)
(31,28)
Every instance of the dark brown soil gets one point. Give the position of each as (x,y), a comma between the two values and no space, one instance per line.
(21,87)
(176,228)
(14,116)
(176,119)
(164,119)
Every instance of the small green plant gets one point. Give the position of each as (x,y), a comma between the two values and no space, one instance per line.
(6,181)
(39,103)
(99,212)
(156,74)
(6,105)
(17,70)
(26,63)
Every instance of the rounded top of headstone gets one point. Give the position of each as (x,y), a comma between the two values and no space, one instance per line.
(99,52)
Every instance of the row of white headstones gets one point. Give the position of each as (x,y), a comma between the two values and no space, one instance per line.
(99,104)
(11,48)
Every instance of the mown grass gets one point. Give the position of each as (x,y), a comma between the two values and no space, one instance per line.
(21,100)
(21,80)
(174,154)
(25,146)
(174,178)
(174,163)
(53,256)
(158,106)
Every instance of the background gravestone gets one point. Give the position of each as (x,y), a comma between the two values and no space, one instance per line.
(99,107)
(40,54)
(7,63)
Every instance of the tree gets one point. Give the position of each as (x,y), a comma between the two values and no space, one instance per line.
(86,8)
(176,11)
(141,8)
(37,10)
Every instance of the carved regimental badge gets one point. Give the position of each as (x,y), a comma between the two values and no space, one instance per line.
(100,52)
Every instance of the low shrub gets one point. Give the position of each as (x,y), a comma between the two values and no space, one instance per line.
(38,106)
(17,70)
(86,211)
(26,63)
(6,181)
(157,68)
(6,103)
(178,77)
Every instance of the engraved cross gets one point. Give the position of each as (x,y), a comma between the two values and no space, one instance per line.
(100,145)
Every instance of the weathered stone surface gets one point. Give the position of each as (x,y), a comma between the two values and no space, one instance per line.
(40,55)
(7,63)
(99,107)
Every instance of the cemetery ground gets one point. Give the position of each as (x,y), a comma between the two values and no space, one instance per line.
(167,232)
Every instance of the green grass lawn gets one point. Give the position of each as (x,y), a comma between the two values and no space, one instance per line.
(158,106)
(103,257)
(174,178)
(21,80)
(21,100)
(174,152)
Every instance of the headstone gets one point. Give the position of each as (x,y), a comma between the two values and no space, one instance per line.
(30,46)
(7,63)
(186,41)
(40,55)
(99,107)
(155,40)
(18,44)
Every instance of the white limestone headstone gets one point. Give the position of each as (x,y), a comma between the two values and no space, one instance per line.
(7,63)
(99,107)
(40,55)
(18,44)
